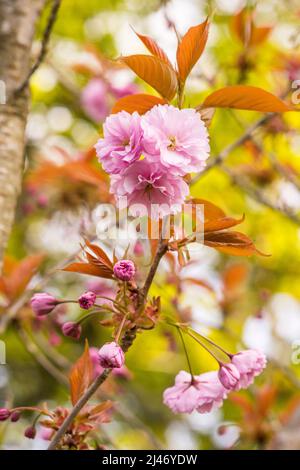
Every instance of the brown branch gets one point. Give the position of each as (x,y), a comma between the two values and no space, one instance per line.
(127,341)
(220,157)
(257,195)
(45,40)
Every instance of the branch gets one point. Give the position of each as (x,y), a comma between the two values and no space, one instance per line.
(227,150)
(127,341)
(257,195)
(45,40)
(77,408)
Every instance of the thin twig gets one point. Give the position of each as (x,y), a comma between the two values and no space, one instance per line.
(220,157)
(257,195)
(45,41)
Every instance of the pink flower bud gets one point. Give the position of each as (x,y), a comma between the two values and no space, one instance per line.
(87,300)
(15,416)
(30,432)
(111,356)
(229,376)
(43,303)
(124,270)
(72,329)
(4,414)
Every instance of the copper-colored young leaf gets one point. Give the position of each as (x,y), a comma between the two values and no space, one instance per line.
(221,224)
(190,49)
(232,243)
(154,48)
(233,276)
(87,268)
(141,102)
(246,97)
(211,211)
(14,283)
(155,72)
(101,255)
(81,375)
(101,408)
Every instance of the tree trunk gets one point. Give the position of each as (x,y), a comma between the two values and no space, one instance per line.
(17,27)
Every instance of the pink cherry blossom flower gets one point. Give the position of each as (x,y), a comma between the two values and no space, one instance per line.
(124,270)
(122,142)
(111,355)
(43,303)
(145,183)
(87,300)
(203,393)
(94,99)
(229,376)
(249,363)
(4,414)
(177,138)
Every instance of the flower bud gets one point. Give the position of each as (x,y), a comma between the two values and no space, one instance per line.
(229,376)
(4,414)
(111,356)
(72,329)
(15,416)
(124,270)
(43,303)
(30,432)
(87,300)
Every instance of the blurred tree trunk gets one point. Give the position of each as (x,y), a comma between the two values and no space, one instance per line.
(17,27)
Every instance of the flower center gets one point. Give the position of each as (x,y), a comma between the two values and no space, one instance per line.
(172,144)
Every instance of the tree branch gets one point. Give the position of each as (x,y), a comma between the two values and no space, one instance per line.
(127,341)
(45,40)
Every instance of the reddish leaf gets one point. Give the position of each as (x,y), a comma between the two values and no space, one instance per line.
(101,255)
(246,97)
(86,268)
(140,102)
(98,263)
(17,274)
(154,48)
(102,407)
(245,29)
(232,243)
(190,49)
(155,72)
(233,277)
(211,211)
(81,375)
(221,224)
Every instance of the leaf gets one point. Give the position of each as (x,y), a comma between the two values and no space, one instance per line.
(222,224)
(102,407)
(190,49)
(246,97)
(141,103)
(86,268)
(155,72)
(154,48)
(81,375)
(18,274)
(98,263)
(232,243)
(211,211)
(101,255)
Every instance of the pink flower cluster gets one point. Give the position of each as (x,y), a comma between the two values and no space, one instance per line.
(147,156)
(207,391)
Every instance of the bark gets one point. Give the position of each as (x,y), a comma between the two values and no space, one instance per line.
(17,27)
